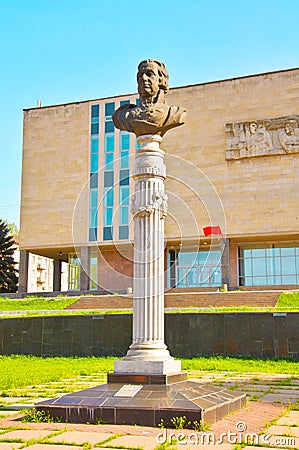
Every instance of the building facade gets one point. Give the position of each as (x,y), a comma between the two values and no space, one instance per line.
(232,186)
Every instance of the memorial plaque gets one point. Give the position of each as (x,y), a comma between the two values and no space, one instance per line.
(128,390)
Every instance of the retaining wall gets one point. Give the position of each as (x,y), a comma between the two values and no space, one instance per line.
(264,335)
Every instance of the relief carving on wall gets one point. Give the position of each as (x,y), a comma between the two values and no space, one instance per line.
(262,137)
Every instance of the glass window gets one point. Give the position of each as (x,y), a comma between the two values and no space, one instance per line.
(94,198)
(124,141)
(272,264)
(74,272)
(124,161)
(108,216)
(94,128)
(124,102)
(109,161)
(94,147)
(93,217)
(193,269)
(124,177)
(93,183)
(109,108)
(123,232)
(108,178)
(93,280)
(124,215)
(109,197)
(124,195)
(109,127)
(109,143)
(107,234)
(93,234)
(95,110)
(94,166)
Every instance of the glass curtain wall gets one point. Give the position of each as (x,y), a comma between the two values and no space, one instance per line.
(269,264)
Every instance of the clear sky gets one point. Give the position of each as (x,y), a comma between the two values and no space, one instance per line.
(70,50)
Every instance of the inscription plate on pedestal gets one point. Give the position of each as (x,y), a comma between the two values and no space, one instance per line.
(128,390)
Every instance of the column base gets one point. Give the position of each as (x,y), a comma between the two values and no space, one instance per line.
(135,378)
(147,367)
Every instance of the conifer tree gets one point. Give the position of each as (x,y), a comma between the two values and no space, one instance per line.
(8,276)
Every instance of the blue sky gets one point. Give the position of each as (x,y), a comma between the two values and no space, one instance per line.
(70,50)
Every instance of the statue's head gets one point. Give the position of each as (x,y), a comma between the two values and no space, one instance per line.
(152,76)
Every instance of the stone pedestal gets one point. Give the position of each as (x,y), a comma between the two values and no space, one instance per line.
(148,353)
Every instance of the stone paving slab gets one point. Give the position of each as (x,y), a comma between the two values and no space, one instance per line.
(26,435)
(275,398)
(52,447)
(146,442)
(11,446)
(277,430)
(79,437)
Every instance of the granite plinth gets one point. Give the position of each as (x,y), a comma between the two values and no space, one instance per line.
(148,406)
(139,378)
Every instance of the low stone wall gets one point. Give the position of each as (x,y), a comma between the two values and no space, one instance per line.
(263,335)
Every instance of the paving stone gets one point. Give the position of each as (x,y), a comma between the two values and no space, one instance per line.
(10,446)
(278,430)
(285,420)
(52,447)
(79,437)
(148,443)
(277,398)
(26,435)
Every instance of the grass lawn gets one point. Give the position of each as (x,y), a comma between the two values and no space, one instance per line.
(35,303)
(22,371)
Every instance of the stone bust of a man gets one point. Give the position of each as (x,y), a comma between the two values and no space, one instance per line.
(152,115)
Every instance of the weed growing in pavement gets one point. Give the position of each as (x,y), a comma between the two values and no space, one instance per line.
(33,415)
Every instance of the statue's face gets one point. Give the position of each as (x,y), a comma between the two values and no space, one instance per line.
(148,80)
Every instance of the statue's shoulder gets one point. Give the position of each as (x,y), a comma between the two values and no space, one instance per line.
(177,115)
(120,116)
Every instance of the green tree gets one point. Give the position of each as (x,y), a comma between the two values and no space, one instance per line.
(12,228)
(8,276)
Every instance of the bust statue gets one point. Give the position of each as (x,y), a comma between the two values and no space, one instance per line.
(152,115)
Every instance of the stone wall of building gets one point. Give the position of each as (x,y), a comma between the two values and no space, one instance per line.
(261,335)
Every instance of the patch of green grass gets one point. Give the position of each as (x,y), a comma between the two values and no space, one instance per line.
(35,303)
(21,370)
(288,300)
(241,365)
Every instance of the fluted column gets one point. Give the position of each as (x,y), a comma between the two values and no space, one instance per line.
(149,207)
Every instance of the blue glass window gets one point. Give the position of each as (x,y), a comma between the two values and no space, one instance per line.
(123,232)
(94,147)
(93,217)
(124,177)
(93,198)
(93,234)
(107,234)
(109,127)
(124,215)
(94,162)
(124,195)
(109,143)
(124,141)
(94,128)
(109,108)
(108,179)
(124,102)
(124,161)
(95,111)
(109,161)
(108,216)
(93,180)
(109,197)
